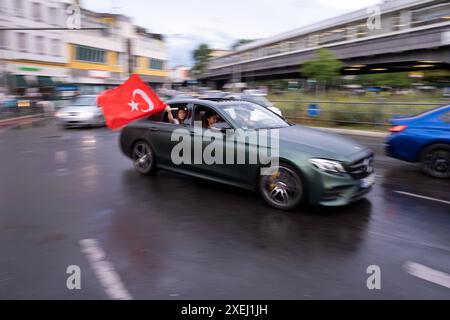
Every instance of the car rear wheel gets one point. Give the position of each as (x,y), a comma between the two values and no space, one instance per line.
(284,189)
(436,161)
(143,158)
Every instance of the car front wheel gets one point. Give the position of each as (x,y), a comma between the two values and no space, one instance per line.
(436,161)
(284,189)
(143,158)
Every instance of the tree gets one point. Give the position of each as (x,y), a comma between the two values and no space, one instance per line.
(392,79)
(324,68)
(240,42)
(201,56)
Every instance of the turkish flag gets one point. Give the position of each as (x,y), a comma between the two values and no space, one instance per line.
(130,101)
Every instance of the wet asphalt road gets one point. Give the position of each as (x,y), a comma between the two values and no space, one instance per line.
(173,237)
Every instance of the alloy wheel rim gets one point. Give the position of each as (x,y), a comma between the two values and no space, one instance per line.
(439,162)
(283,187)
(143,157)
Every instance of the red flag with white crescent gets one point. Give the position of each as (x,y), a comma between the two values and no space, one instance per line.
(130,101)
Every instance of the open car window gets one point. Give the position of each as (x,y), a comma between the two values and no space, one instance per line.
(174,108)
(201,112)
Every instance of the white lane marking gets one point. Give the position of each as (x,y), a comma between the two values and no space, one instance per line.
(428,274)
(421,197)
(104,270)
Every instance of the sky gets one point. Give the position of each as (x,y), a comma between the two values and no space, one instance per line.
(219,23)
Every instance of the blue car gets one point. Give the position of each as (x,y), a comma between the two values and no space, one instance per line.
(424,138)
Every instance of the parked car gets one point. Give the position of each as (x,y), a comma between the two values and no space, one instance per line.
(315,166)
(424,138)
(81,111)
(258,99)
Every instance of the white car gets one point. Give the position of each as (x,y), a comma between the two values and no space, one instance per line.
(255,92)
(81,111)
(261,100)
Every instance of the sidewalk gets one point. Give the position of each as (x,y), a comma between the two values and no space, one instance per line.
(365,133)
(21,120)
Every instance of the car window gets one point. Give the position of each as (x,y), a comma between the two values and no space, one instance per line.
(201,113)
(253,116)
(174,108)
(84,101)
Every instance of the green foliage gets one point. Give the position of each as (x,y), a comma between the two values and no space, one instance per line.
(325,67)
(394,79)
(201,56)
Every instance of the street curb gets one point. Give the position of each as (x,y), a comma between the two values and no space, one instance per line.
(364,133)
(7,121)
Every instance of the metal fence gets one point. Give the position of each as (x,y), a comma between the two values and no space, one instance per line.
(350,113)
(18,108)
(7,112)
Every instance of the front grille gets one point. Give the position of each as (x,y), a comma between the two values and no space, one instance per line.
(361,168)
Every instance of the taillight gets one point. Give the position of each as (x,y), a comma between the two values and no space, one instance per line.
(398,128)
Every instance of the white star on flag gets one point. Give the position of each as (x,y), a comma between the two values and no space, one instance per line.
(134,105)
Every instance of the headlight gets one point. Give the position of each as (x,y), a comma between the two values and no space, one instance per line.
(328,166)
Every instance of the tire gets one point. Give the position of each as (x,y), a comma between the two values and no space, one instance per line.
(143,158)
(436,160)
(284,190)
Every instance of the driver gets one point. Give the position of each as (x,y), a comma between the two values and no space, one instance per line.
(210,119)
(181,115)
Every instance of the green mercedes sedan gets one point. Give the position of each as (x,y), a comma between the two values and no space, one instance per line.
(243,144)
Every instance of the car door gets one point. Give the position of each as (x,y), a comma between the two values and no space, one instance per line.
(160,135)
(228,168)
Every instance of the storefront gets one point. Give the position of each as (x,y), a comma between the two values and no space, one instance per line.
(34,80)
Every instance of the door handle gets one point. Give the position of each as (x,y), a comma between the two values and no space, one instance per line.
(153,129)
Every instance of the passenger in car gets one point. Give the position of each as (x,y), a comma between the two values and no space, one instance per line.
(209,119)
(181,115)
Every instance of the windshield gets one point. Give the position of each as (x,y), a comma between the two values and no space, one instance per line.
(259,100)
(84,101)
(252,116)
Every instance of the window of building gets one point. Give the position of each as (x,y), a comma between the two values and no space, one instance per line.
(36,11)
(90,54)
(22,41)
(39,41)
(56,47)
(52,16)
(3,39)
(156,64)
(432,14)
(18,8)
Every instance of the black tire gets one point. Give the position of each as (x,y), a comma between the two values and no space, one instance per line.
(284,190)
(436,160)
(143,158)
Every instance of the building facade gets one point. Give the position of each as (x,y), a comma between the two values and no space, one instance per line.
(94,59)
(33,57)
(395,36)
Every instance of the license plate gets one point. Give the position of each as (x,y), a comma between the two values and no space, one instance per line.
(367,182)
